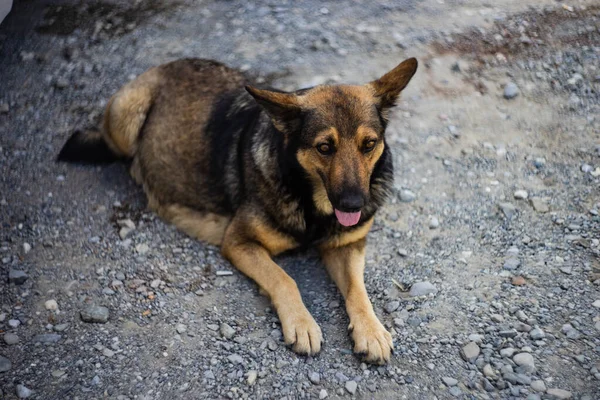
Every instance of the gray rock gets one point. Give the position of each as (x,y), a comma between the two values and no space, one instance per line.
(538,386)
(11,339)
(60,327)
(489,372)
(5,364)
(559,394)
(181,328)
(51,305)
(448,381)
(511,263)
(407,196)
(235,359)
(351,387)
(521,194)
(434,223)
(539,205)
(537,334)
(314,377)
(392,306)
(525,360)
(507,352)
(23,392)
(95,314)
(422,289)
(252,376)
(508,210)
(470,352)
(17,277)
(511,90)
(323,394)
(14,323)
(570,332)
(209,375)
(47,338)
(455,391)
(227,331)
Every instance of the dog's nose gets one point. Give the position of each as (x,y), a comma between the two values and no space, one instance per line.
(351,201)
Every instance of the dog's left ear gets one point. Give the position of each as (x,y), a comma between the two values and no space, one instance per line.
(388,87)
(283,108)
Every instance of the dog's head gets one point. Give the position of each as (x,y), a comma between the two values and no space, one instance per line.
(338,135)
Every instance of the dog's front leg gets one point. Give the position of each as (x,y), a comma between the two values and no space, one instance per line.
(346,266)
(254,260)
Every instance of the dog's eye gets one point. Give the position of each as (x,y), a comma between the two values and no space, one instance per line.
(370,145)
(325,148)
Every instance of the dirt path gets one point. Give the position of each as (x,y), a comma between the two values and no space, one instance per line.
(517,279)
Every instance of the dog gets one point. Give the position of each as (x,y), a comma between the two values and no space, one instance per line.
(260,172)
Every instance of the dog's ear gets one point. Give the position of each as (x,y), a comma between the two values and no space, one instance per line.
(283,108)
(388,87)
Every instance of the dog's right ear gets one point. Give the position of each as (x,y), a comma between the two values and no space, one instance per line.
(283,108)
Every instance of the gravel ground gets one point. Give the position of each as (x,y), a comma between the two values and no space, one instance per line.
(485,266)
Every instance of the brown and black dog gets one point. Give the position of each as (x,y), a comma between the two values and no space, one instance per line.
(260,172)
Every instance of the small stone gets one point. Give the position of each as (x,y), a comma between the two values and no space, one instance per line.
(180,328)
(351,387)
(489,372)
(107,352)
(51,305)
(448,381)
(155,283)
(507,352)
(227,331)
(23,392)
(511,90)
(512,263)
(596,304)
(525,360)
(95,314)
(11,339)
(497,318)
(14,323)
(559,394)
(26,248)
(235,359)
(434,223)
(422,289)
(470,352)
(518,281)
(323,394)
(402,252)
(406,196)
(520,194)
(537,334)
(566,269)
(252,376)
(314,377)
(47,338)
(5,364)
(142,248)
(392,306)
(455,391)
(61,327)
(4,108)
(538,386)
(17,277)
(539,205)
(508,210)
(61,83)
(127,226)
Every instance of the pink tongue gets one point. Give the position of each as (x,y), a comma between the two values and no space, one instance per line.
(347,219)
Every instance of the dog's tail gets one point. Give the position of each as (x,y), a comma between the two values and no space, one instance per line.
(87,147)
(124,120)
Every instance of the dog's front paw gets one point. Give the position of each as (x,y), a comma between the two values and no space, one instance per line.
(371,340)
(301,331)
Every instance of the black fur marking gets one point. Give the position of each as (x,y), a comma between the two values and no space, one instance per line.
(86,148)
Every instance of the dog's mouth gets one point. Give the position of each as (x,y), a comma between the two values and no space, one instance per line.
(347,218)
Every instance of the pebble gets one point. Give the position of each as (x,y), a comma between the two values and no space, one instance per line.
(14,323)
(61,327)
(518,281)
(314,377)
(520,194)
(95,314)
(511,263)
(47,338)
(507,352)
(508,210)
(596,304)
(539,205)
(560,394)
(127,226)
(252,376)
(538,386)
(51,305)
(26,248)
(434,223)
(5,364)
(17,277)
(448,381)
(537,334)
(10,338)
(235,359)
(470,352)
(511,90)
(323,394)
(180,328)
(489,372)
(142,248)
(402,252)
(351,387)
(392,306)
(525,360)
(407,196)
(455,391)
(422,289)
(227,331)
(497,318)
(23,392)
